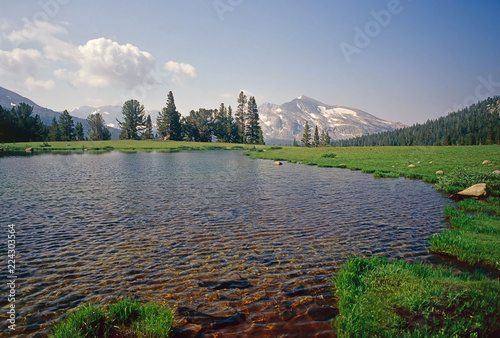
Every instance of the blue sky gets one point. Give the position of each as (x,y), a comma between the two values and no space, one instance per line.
(405,61)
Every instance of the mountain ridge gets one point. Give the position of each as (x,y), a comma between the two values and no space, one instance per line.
(282,123)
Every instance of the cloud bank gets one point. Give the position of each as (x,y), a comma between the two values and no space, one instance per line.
(98,63)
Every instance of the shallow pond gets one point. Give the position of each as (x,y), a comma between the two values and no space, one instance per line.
(233,245)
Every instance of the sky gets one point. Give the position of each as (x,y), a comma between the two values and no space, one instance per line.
(400,60)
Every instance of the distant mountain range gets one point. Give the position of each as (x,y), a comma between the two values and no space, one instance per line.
(9,99)
(282,123)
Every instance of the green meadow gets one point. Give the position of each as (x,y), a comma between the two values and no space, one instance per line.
(393,161)
(121,145)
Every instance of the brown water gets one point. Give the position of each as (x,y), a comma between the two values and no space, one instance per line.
(237,247)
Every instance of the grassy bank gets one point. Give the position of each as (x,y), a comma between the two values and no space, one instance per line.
(125,318)
(122,145)
(393,161)
(399,299)
(474,238)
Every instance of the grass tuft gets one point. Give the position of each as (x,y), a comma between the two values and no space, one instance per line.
(123,318)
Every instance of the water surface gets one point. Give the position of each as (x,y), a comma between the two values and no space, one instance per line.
(207,233)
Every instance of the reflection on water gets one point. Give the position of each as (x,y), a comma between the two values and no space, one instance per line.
(211,234)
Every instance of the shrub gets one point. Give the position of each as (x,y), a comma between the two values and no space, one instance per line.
(329,155)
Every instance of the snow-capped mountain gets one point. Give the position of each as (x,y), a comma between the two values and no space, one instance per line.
(283,123)
(109,113)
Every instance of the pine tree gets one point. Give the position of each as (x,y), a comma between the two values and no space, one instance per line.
(241,117)
(98,130)
(295,144)
(306,137)
(133,114)
(148,132)
(327,139)
(169,121)
(253,130)
(322,138)
(316,137)
(79,133)
(231,127)
(220,127)
(54,133)
(66,127)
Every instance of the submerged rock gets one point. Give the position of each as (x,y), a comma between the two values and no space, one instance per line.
(230,283)
(477,191)
(229,321)
(197,321)
(322,313)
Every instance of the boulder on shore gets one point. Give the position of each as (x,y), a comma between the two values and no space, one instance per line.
(477,191)
(487,162)
(277,163)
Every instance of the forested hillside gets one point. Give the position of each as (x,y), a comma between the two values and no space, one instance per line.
(478,124)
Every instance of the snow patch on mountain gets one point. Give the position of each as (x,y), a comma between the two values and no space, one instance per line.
(286,121)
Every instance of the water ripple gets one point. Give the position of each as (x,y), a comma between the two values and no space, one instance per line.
(168,227)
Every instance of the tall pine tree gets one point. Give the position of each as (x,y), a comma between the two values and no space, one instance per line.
(253,130)
(148,132)
(66,127)
(316,137)
(306,137)
(169,121)
(79,133)
(133,114)
(241,117)
(54,133)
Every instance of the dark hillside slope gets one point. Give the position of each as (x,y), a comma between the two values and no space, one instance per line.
(478,124)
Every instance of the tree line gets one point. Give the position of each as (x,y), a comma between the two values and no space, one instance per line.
(318,140)
(20,125)
(478,124)
(202,125)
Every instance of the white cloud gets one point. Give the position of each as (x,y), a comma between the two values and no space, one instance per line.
(180,69)
(45,33)
(97,63)
(31,84)
(20,61)
(103,62)
(40,31)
